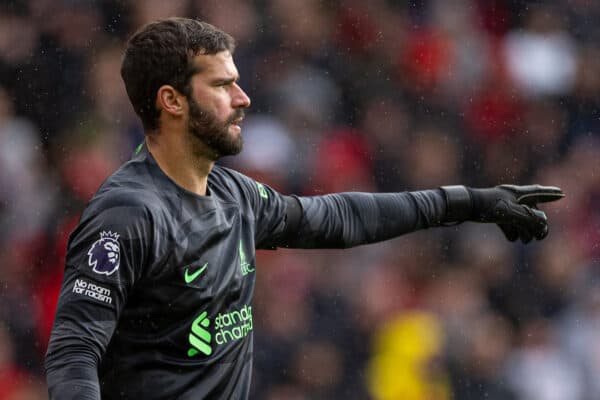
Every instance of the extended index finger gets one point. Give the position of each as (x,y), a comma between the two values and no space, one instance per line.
(532,194)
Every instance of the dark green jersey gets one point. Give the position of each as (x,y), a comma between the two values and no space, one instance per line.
(156,301)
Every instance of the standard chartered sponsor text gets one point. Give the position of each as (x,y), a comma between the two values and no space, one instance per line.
(233,325)
(228,327)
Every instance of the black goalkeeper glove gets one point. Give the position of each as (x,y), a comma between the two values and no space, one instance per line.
(512,208)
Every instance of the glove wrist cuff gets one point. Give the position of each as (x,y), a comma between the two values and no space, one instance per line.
(459,205)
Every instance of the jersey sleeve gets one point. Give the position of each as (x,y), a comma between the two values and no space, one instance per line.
(105,256)
(350,219)
(338,220)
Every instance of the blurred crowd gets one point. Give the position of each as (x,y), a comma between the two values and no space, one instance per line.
(348,95)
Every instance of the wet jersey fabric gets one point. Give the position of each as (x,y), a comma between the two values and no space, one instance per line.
(156,301)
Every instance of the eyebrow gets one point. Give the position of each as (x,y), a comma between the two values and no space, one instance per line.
(225,81)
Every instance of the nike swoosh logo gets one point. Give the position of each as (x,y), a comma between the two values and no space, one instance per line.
(189,278)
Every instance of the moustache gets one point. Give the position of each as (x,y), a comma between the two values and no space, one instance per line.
(237,114)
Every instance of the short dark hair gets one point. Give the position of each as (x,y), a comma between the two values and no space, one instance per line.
(161,53)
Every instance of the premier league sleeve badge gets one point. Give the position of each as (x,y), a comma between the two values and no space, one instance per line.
(105,253)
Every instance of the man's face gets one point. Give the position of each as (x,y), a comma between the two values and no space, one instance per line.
(216,104)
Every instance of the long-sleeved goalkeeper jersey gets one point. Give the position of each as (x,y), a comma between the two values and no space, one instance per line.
(156,301)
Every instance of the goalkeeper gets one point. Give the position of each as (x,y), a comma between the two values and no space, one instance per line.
(156,301)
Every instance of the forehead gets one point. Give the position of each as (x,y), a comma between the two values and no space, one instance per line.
(219,65)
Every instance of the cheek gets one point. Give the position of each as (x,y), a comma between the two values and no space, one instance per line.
(223,106)
(219,104)
(221,116)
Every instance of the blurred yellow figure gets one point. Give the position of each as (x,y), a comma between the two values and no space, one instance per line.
(405,363)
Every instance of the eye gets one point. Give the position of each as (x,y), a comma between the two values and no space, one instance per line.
(226,83)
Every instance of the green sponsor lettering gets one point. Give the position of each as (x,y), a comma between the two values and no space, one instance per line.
(231,326)
(234,325)
(245,314)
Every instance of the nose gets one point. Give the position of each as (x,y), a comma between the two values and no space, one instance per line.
(240,99)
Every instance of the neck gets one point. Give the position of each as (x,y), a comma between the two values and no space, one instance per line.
(177,160)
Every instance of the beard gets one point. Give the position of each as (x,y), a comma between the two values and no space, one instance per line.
(214,134)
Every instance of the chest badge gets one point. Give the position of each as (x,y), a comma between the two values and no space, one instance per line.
(245,266)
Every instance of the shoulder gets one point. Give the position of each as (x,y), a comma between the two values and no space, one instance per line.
(243,188)
(222,173)
(232,182)
(233,178)
(246,191)
(126,194)
(123,212)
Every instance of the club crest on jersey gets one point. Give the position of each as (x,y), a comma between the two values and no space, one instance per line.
(105,253)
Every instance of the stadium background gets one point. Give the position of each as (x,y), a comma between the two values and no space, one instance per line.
(347,95)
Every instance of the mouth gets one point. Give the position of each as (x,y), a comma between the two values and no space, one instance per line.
(235,124)
(237,117)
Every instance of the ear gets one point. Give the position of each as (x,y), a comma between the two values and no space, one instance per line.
(170,100)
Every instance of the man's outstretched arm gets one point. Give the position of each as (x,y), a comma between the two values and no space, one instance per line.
(351,219)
